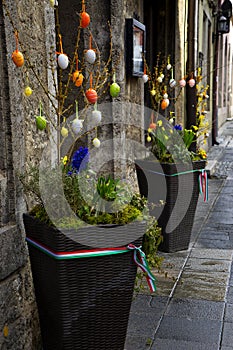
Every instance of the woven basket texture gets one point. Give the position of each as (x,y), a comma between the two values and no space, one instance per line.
(83,303)
(158,187)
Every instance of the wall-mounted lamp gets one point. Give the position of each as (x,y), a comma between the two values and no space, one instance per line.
(225,13)
(223,25)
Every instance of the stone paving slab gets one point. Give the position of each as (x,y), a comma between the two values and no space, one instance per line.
(214,244)
(229,313)
(192,308)
(207,265)
(227,336)
(171,344)
(207,286)
(217,254)
(204,331)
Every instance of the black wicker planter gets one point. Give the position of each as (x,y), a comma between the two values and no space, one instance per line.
(83,303)
(180,194)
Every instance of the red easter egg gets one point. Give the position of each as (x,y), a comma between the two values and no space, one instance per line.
(85,19)
(152,126)
(17,58)
(91,95)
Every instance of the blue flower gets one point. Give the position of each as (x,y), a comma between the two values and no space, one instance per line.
(80,159)
(178,127)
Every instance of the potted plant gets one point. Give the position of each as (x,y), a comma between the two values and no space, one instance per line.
(83,233)
(83,263)
(172,168)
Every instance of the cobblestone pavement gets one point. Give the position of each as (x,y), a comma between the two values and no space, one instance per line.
(192,308)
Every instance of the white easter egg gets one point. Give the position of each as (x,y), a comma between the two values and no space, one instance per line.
(96,142)
(172,83)
(169,66)
(77,125)
(90,56)
(63,61)
(97,116)
(182,83)
(191,83)
(165,96)
(145,78)
(160,79)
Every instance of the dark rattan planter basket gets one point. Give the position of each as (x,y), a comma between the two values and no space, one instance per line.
(158,187)
(83,303)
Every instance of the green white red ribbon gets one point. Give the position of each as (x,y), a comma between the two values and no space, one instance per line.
(140,260)
(203,184)
(139,256)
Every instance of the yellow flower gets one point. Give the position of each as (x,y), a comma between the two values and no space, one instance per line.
(171,131)
(159,123)
(195,128)
(65,160)
(149,130)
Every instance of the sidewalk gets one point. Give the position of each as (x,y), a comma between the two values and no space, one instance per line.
(192,308)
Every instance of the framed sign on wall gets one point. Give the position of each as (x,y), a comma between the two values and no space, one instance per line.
(135,35)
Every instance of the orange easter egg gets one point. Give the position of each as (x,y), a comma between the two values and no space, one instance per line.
(17,58)
(164,103)
(91,95)
(77,78)
(85,19)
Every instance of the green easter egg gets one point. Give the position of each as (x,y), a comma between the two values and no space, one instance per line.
(114,89)
(41,122)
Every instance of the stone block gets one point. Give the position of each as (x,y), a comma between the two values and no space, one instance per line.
(13,253)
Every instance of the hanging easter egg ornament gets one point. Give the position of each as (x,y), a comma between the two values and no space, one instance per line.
(148,139)
(172,83)
(17,56)
(84,16)
(182,83)
(27,91)
(85,19)
(77,78)
(90,56)
(160,79)
(63,61)
(114,89)
(191,82)
(164,103)
(64,132)
(91,95)
(41,122)
(169,66)
(96,142)
(77,124)
(165,96)
(96,115)
(145,78)
(152,126)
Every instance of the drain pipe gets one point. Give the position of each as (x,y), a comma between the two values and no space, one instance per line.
(215,81)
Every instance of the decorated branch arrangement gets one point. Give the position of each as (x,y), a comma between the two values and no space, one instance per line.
(163,137)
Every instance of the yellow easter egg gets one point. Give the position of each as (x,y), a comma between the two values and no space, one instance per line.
(64,132)
(27,91)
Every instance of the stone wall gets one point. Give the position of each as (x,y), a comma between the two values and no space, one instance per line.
(20,144)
